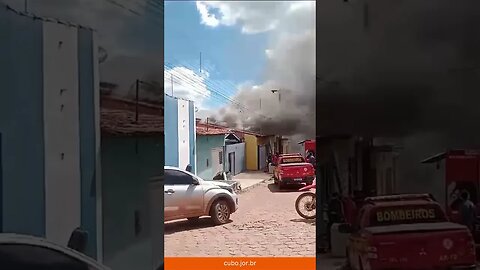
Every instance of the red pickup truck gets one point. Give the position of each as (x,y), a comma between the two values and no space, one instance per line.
(293,169)
(407,232)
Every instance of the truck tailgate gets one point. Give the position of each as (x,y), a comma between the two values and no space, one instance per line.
(422,246)
(295,170)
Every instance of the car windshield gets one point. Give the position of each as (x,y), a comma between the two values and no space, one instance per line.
(287,160)
(396,215)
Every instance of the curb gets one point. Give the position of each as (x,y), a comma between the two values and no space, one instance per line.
(253,186)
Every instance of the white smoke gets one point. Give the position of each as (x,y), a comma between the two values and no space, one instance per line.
(290,71)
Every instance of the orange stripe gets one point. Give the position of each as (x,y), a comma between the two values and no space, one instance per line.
(247,263)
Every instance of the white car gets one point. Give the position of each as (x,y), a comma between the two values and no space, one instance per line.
(189,196)
(28,252)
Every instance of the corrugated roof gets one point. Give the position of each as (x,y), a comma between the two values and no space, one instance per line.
(250,133)
(118,118)
(205,130)
(122,123)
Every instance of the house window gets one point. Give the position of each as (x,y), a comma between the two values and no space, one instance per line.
(220,157)
(207,163)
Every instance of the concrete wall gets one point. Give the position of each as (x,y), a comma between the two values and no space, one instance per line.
(240,158)
(49,135)
(385,172)
(61,129)
(251,152)
(205,144)
(171,131)
(179,132)
(127,166)
(21,124)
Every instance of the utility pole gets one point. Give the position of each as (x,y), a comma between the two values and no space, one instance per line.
(279,94)
(26,5)
(207,124)
(260,103)
(137,86)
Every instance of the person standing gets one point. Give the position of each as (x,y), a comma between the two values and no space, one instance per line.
(467,211)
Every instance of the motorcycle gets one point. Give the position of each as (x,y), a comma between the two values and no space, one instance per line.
(306,203)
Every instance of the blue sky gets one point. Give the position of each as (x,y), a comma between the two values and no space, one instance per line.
(227,53)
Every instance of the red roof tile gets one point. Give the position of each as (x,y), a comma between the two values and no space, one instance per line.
(204,129)
(118,118)
(122,123)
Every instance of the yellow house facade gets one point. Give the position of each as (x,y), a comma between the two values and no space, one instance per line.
(251,149)
(256,151)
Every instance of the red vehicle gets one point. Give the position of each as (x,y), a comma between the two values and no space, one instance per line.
(309,146)
(459,171)
(293,169)
(407,232)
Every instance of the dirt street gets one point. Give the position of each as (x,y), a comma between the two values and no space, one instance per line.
(266,224)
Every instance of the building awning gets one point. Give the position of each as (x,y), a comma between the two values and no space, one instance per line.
(435,158)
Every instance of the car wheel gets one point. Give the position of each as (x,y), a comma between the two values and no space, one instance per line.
(220,212)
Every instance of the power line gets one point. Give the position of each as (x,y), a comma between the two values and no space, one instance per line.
(214,90)
(122,6)
(188,81)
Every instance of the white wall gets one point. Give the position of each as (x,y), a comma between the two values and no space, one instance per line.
(61,131)
(98,175)
(183,134)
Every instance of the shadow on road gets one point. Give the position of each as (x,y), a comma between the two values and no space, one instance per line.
(308,221)
(293,188)
(185,225)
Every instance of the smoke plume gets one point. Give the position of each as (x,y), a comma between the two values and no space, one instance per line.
(290,70)
(401,69)
(129,36)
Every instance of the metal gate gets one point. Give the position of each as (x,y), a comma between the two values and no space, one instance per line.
(262,157)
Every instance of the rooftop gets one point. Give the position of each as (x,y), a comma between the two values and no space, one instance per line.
(204,129)
(235,131)
(118,118)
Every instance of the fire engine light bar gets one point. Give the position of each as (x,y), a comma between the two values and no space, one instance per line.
(400,197)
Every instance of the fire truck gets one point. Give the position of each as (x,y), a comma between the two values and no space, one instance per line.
(459,171)
(308,145)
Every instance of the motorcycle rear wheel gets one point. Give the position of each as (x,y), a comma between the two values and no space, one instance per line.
(298,205)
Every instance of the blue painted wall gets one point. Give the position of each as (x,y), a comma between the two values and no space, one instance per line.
(171,131)
(87,138)
(21,123)
(127,165)
(205,144)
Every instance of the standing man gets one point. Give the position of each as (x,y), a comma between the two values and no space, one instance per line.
(467,211)
(311,158)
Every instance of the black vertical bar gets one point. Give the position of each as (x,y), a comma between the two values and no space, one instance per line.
(366,19)
(1,186)
(136,100)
